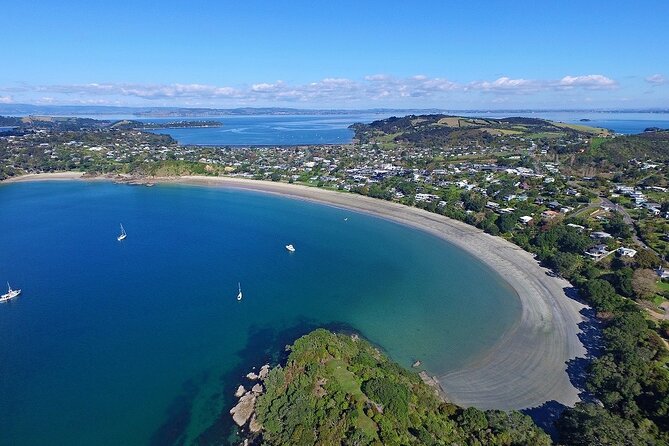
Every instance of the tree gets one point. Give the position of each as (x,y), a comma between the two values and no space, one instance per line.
(644,283)
(622,280)
(473,202)
(645,258)
(617,227)
(566,264)
(589,424)
(506,222)
(602,295)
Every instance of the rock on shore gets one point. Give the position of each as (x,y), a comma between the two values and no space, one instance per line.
(244,409)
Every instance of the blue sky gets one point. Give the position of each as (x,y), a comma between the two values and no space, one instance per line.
(344,54)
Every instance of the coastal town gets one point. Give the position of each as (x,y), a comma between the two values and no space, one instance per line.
(507,186)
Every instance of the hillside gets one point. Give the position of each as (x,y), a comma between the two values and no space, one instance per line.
(339,389)
(445,130)
(650,145)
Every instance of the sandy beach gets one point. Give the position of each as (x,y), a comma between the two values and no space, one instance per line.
(526,367)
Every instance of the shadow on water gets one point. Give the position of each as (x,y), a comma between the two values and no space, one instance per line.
(178,416)
(590,336)
(264,345)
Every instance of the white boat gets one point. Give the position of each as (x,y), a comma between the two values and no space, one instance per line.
(239,295)
(123,235)
(11,294)
(290,248)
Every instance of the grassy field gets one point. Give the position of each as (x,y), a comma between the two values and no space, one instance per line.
(583,128)
(345,378)
(663,286)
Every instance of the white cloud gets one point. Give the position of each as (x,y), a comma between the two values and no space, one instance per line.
(330,91)
(590,81)
(656,79)
(506,85)
(6,100)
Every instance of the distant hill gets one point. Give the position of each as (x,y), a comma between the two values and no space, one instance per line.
(650,145)
(445,130)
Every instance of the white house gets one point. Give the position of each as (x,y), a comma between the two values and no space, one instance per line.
(597,251)
(525,219)
(626,252)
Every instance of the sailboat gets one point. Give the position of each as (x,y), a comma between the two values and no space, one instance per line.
(123,235)
(290,248)
(11,294)
(239,295)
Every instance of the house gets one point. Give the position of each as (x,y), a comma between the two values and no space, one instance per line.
(549,215)
(600,235)
(653,208)
(426,197)
(597,251)
(626,252)
(662,272)
(575,226)
(525,219)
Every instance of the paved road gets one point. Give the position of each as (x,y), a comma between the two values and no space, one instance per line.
(627,219)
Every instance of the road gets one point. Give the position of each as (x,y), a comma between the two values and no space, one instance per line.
(627,219)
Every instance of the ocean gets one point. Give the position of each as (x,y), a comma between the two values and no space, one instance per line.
(325,129)
(142,342)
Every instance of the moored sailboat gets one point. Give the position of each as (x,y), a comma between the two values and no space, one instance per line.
(11,294)
(123,235)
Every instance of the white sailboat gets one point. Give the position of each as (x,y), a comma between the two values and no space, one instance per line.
(11,294)
(290,248)
(123,235)
(239,295)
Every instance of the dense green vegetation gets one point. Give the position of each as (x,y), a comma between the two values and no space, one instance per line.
(630,379)
(338,389)
(449,131)
(620,150)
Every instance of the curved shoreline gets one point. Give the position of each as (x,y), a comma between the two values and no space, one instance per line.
(527,366)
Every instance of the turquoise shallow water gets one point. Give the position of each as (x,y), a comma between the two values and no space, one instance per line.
(143,342)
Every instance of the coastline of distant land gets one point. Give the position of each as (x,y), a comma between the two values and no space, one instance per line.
(527,366)
(186,112)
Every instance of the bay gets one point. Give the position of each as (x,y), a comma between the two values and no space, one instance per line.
(268,130)
(143,342)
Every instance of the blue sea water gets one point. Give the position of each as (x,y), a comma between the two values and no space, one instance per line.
(269,130)
(142,342)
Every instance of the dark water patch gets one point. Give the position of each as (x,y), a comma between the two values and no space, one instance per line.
(177,418)
(265,345)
